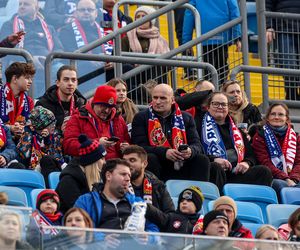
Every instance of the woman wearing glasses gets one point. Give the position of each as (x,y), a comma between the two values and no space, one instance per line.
(277,146)
(228,148)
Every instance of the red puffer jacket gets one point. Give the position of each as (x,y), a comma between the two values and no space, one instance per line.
(85,121)
(260,149)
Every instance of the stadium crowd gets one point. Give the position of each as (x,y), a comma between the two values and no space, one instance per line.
(114,159)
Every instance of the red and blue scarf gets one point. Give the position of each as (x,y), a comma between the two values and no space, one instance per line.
(156,135)
(213,143)
(13,110)
(283,157)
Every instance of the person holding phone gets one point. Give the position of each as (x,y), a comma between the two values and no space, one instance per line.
(98,120)
(231,155)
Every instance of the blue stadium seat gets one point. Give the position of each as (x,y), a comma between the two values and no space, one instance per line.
(16,196)
(290,195)
(253,227)
(209,190)
(247,212)
(259,194)
(53,179)
(33,195)
(279,214)
(24,179)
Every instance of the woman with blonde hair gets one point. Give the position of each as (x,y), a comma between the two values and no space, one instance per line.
(125,106)
(81,173)
(267,232)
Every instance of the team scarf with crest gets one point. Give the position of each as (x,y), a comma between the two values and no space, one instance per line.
(41,221)
(18,25)
(213,143)
(80,35)
(13,110)
(282,157)
(156,135)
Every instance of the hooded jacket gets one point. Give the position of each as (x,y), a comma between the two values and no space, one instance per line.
(50,101)
(85,121)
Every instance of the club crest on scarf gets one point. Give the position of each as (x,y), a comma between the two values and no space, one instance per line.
(155,132)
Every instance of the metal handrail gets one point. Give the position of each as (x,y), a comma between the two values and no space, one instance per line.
(19,52)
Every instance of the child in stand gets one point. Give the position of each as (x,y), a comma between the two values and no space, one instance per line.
(46,214)
(40,146)
(184,218)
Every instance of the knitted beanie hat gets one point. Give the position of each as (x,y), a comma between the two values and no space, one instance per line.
(194,194)
(146,9)
(106,95)
(213,215)
(45,195)
(225,200)
(41,117)
(90,151)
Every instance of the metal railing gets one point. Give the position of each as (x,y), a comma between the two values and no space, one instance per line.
(23,53)
(124,59)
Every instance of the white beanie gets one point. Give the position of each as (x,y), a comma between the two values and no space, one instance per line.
(148,10)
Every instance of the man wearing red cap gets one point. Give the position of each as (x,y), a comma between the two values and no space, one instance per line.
(98,120)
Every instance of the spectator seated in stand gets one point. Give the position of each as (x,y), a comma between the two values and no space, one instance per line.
(16,104)
(63,98)
(39,41)
(81,173)
(147,39)
(40,146)
(184,218)
(170,138)
(294,224)
(243,113)
(125,106)
(98,120)
(267,232)
(228,148)
(277,146)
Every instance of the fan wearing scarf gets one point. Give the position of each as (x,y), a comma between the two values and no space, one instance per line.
(160,130)
(15,103)
(277,146)
(41,144)
(231,154)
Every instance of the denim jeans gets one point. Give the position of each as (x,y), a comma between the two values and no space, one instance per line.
(279,184)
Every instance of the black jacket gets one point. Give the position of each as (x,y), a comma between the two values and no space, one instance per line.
(50,101)
(251,114)
(285,6)
(139,134)
(228,143)
(161,198)
(72,184)
(174,222)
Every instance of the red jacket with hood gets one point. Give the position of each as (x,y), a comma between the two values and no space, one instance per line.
(85,121)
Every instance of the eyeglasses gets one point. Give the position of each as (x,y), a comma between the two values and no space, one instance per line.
(219,104)
(187,195)
(90,10)
(274,114)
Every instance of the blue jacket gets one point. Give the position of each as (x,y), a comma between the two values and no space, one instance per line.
(213,14)
(9,150)
(92,204)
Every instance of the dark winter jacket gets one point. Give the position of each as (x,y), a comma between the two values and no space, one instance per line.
(6,44)
(239,231)
(262,154)
(174,222)
(56,11)
(85,121)
(50,101)
(285,6)
(161,198)
(225,133)
(72,184)
(139,134)
(251,114)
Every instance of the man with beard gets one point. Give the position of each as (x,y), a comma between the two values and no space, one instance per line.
(145,184)
(111,207)
(98,120)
